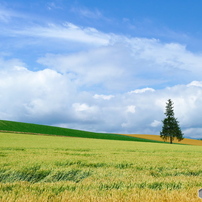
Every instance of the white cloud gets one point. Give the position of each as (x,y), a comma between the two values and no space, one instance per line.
(195,83)
(68,31)
(155,123)
(84,112)
(101,66)
(49,97)
(110,60)
(83,107)
(143,90)
(131,109)
(104,97)
(37,96)
(10,64)
(125,63)
(88,89)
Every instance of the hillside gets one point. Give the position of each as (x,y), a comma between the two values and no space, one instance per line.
(20,127)
(12,126)
(158,138)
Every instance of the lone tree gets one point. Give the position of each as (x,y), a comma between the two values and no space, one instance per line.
(170,129)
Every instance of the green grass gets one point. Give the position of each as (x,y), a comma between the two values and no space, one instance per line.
(50,168)
(51,130)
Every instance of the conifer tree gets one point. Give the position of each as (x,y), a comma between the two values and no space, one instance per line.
(171,128)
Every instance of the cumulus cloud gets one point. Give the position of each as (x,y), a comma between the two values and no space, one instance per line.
(129,63)
(49,97)
(34,96)
(111,60)
(103,66)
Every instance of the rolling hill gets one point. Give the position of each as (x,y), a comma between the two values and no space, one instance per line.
(29,128)
(19,127)
(158,138)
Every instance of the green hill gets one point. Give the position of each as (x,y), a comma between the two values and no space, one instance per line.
(12,126)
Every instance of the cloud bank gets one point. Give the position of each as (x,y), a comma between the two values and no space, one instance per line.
(49,97)
(109,83)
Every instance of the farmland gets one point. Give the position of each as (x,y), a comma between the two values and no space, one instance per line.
(158,138)
(12,126)
(51,168)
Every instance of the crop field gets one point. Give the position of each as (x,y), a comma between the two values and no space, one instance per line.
(50,168)
(158,138)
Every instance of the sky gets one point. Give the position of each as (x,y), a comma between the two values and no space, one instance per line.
(102,66)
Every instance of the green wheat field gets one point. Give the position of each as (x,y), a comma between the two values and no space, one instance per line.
(54,168)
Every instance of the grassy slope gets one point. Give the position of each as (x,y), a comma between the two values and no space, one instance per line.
(158,138)
(50,130)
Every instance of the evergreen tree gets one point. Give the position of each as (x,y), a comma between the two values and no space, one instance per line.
(170,129)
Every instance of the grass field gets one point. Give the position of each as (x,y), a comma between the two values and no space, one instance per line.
(49,168)
(50,130)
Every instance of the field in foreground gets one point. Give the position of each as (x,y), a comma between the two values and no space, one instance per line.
(48,168)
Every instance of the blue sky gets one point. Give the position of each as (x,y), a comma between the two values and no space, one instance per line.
(107,66)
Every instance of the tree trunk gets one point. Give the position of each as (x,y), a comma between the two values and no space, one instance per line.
(171,140)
